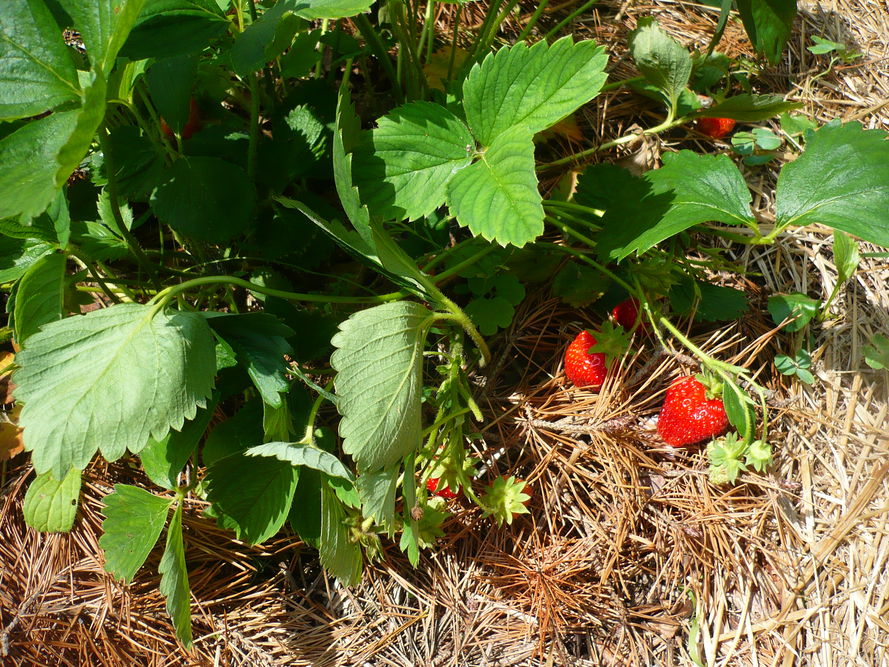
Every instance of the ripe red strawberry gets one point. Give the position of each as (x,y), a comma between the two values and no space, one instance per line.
(586,368)
(446,493)
(581,367)
(716,127)
(689,415)
(626,313)
(192,125)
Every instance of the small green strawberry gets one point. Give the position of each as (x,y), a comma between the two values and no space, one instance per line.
(725,457)
(505,499)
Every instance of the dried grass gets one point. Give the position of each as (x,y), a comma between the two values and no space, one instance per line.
(785,569)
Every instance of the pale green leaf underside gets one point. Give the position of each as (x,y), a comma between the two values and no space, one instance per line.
(299,454)
(379,359)
(534,87)
(174,579)
(497,196)
(329,9)
(134,519)
(109,381)
(51,505)
(841,180)
(339,555)
(377,493)
(36,72)
(403,167)
(662,60)
(251,495)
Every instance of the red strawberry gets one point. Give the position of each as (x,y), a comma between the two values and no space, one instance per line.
(689,415)
(446,493)
(626,313)
(586,367)
(715,127)
(581,367)
(192,125)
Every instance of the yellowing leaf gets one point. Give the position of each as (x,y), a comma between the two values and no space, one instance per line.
(11,443)
(436,70)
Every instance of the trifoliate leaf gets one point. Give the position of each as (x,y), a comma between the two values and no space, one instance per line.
(133,521)
(841,180)
(490,315)
(110,381)
(379,360)
(531,87)
(50,504)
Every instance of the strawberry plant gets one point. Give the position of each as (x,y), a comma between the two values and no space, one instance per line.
(250,249)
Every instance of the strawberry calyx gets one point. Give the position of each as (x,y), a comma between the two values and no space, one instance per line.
(726,458)
(505,499)
(612,341)
(713,385)
(759,455)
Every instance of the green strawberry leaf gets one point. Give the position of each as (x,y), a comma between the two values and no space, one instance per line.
(51,505)
(227,199)
(749,108)
(497,196)
(251,495)
(663,61)
(531,87)
(710,303)
(377,493)
(739,410)
(104,27)
(379,362)
(876,353)
(490,315)
(111,380)
(797,307)
(174,579)
(260,343)
(134,519)
(302,454)
(845,256)
(168,28)
(40,296)
(163,460)
(796,125)
(768,24)
(339,554)
(402,168)
(579,285)
(690,189)
(266,38)
(36,71)
(28,179)
(841,180)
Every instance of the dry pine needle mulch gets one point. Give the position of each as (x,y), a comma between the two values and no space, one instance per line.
(627,545)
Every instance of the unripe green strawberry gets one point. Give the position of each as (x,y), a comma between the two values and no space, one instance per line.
(689,415)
